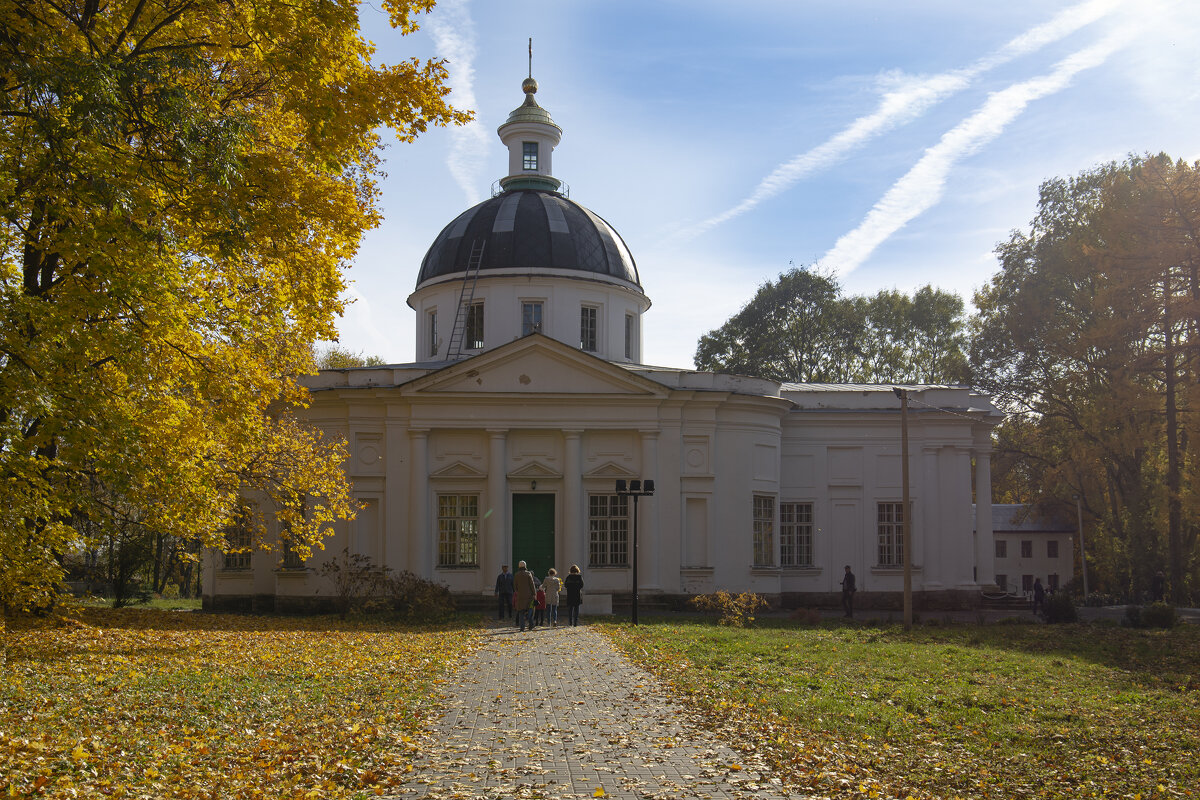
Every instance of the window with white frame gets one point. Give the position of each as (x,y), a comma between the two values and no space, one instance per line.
(1027,548)
(433,333)
(458,530)
(473,336)
(1001,548)
(630,334)
(796,534)
(608,530)
(764,530)
(529,155)
(1052,548)
(239,540)
(531,317)
(891,534)
(588,321)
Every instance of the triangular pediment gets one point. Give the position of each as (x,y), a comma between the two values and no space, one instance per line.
(610,469)
(533,471)
(459,469)
(539,365)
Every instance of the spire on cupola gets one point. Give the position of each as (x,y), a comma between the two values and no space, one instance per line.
(530,136)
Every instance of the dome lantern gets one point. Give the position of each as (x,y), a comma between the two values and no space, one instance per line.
(530,136)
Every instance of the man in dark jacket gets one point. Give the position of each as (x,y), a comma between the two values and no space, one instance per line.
(524,589)
(848,590)
(504,593)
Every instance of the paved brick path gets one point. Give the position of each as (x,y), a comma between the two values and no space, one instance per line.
(558,713)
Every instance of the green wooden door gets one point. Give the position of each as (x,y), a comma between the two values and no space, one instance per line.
(533,532)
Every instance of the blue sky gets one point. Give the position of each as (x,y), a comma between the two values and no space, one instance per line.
(892,144)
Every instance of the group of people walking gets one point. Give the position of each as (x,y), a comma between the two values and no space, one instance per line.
(536,602)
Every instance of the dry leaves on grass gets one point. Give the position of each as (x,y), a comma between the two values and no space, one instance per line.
(150,704)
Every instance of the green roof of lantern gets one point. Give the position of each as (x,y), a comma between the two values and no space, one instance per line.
(529,111)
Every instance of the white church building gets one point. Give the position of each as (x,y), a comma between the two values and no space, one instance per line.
(529,400)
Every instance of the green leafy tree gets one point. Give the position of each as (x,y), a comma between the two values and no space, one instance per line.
(337,357)
(182,184)
(802,329)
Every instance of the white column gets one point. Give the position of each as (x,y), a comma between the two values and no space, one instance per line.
(420,541)
(985,549)
(495,525)
(648,526)
(574,536)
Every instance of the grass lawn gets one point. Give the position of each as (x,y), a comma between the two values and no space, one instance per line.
(156,603)
(996,711)
(147,703)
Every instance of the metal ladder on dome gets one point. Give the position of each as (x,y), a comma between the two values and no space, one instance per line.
(465,298)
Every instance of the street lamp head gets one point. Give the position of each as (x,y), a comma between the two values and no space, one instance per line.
(635,485)
(649,486)
(620,484)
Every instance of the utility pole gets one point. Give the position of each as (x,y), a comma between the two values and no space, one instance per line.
(907,510)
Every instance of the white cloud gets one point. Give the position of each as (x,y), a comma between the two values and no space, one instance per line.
(910,99)
(922,186)
(453,33)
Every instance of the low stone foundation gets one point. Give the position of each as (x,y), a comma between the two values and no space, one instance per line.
(621,603)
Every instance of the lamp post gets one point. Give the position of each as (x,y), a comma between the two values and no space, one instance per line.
(908,609)
(635,489)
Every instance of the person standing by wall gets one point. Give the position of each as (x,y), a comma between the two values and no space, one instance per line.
(553,586)
(524,589)
(848,590)
(574,587)
(504,593)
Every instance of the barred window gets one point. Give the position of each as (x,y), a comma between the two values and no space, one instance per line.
(608,530)
(458,530)
(891,534)
(587,328)
(473,336)
(796,534)
(764,531)
(239,541)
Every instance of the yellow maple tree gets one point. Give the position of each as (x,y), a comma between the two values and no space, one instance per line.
(182,185)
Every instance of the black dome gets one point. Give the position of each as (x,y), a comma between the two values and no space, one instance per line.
(530,229)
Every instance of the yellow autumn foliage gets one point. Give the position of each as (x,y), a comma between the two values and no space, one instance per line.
(183,185)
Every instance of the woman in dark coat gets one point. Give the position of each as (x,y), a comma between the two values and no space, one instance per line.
(574,586)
